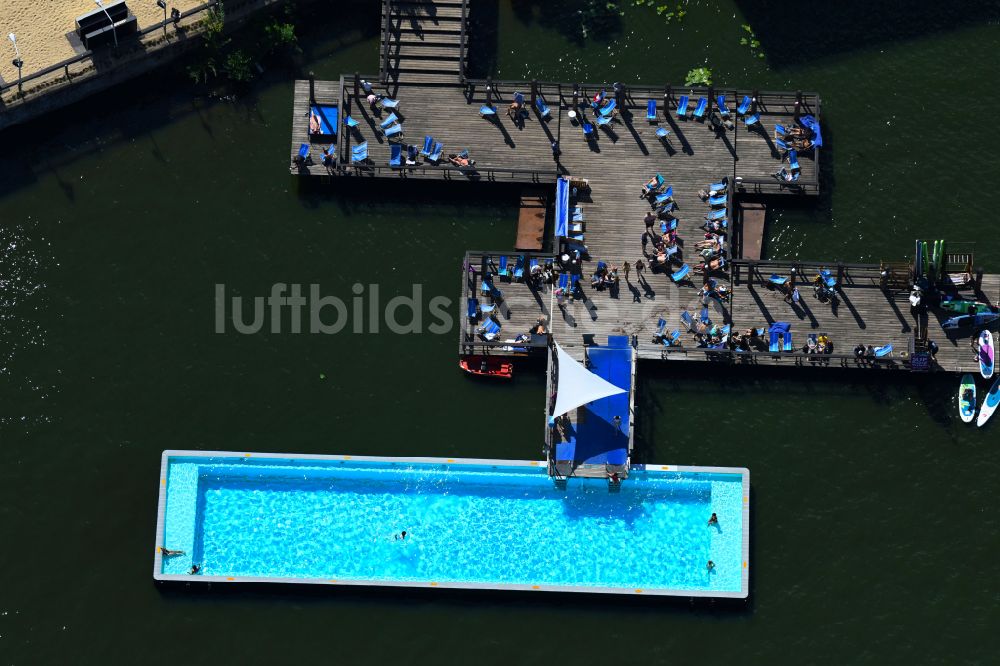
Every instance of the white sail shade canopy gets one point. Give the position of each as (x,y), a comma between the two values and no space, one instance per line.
(577,386)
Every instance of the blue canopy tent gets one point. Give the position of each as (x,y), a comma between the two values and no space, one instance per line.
(811,123)
(562,208)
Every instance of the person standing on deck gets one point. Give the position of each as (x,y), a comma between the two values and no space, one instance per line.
(626,268)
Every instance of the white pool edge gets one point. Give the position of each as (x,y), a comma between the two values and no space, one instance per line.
(161,508)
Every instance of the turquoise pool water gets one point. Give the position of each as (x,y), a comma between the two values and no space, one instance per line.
(480,525)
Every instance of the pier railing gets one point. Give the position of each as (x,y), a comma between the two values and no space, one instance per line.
(463,46)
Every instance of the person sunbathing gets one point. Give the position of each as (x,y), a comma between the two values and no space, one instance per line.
(650,186)
(460,161)
(797,132)
(315,124)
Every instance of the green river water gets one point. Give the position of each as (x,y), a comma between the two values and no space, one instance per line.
(874,539)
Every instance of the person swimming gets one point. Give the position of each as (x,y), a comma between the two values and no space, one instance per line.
(714,520)
(401,536)
(194,569)
(166,552)
(711,565)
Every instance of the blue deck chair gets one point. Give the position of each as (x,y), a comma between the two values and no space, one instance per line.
(651,110)
(682,107)
(665,197)
(828,278)
(543,108)
(588,131)
(563,280)
(487,110)
(428,143)
(519,98)
(720,103)
(668,226)
(519,268)
(395,155)
(884,350)
(671,340)
(394,131)
(577,214)
(387,103)
(793,160)
(411,153)
(717,200)
(680,273)
(699,111)
(719,187)
(608,108)
(703,316)
(435,153)
(487,286)
(662,133)
(603,120)
(781,145)
(389,121)
(687,320)
(489,329)
(303,151)
(744,105)
(725,330)
(487,310)
(777,280)
(661,326)
(665,207)
(503,270)
(359,153)
(717,214)
(779,131)
(812,340)
(473,309)
(531,265)
(752,120)
(350,123)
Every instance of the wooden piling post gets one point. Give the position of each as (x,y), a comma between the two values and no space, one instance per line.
(534,92)
(312,88)
(357,84)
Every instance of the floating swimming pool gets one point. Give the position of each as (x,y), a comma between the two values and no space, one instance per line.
(491,524)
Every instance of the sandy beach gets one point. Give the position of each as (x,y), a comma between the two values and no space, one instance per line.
(45,30)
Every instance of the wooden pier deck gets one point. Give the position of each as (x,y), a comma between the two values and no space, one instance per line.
(422,66)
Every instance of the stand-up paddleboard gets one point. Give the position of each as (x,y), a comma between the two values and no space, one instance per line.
(969,320)
(986,354)
(963,307)
(967,398)
(991,402)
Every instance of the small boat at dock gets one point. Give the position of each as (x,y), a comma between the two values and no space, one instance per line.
(487,366)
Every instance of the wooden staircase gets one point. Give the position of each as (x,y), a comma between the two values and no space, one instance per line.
(423,41)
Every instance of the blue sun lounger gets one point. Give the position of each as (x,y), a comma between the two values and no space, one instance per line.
(487,110)
(665,197)
(661,326)
(428,143)
(389,121)
(680,273)
(519,98)
(687,320)
(717,200)
(828,278)
(682,107)
(577,214)
(543,108)
(487,286)
(703,317)
(651,110)
(719,187)
(395,155)
(359,153)
(489,329)
(435,153)
(575,287)
(717,214)
(744,105)
(720,103)
(752,120)
(662,133)
(588,131)
(608,108)
(603,120)
(671,340)
(793,160)
(503,270)
(884,350)
(387,103)
(394,131)
(780,145)
(699,111)
(779,131)
(531,266)
(519,268)
(351,123)
(668,226)
(778,280)
(303,151)
(473,309)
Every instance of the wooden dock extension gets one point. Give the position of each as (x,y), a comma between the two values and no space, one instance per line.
(423,41)
(531,221)
(751,229)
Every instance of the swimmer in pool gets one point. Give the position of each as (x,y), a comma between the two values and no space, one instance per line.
(714,520)
(166,552)
(401,536)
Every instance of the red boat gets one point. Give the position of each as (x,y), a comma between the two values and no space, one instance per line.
(487,366)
